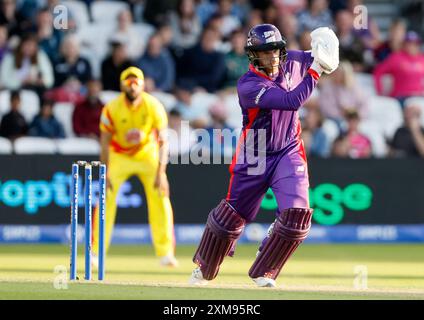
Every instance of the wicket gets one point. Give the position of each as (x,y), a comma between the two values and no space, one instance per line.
(88,217)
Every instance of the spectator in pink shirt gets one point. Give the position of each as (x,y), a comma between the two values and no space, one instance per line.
(406,68)
(352,144)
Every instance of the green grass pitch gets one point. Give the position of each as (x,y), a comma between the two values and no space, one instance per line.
(133,272)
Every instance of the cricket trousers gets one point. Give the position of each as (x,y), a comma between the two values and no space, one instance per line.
(285,172)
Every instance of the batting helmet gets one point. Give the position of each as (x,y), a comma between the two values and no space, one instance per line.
(264,37)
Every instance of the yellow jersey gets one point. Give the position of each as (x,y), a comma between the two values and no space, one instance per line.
(133,127)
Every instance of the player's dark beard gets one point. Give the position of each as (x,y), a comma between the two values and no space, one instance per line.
(130,97)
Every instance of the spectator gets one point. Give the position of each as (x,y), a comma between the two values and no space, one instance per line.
(289,6)
(215,23)
(4,45)
(260,4)
(49,38)
(28,9)
(203,66)
(255,17)
(205,10)
(13,124)
(158,64)
(45,124)
(180,140)
(135,42)
(351,143)
(313,135)
(305,40)
(340,93)
(71,67)
(86,116)
(188,111)
(185,24)
(149,85)
(27,67)
(340,148)
(409,139)
(236,61)
(114,64)
(288,25)
(394,42)
(13,19)
(156,11)
(222,137)
(316,15)
(337,5)
(351,46)
(240,9)
(369,33)
(406,68)
(167,34)
(270,14)
(230,22)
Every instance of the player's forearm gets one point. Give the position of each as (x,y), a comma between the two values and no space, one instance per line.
(104,156)
(104,147)
(163,156)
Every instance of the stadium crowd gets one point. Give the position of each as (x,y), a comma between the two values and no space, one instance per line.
(192,54)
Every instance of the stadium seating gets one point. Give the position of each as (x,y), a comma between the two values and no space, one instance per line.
(235,117)
(94,38)
(203,101)
(386,114)
(35,145)
(366,82)
(81,146)
(331,130)
(144,30)
(107,95)
(107,11)
(167,99)
(63,112)
(30,104)
(374,133)
(79,12)
(6,146)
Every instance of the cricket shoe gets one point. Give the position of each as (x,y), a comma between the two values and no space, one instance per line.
(168,261)
(265,282)
(197,278)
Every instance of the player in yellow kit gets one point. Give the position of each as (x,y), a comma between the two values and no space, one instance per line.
(133,142)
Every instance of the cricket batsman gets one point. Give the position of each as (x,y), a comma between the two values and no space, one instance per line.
(134,142)
(270,93)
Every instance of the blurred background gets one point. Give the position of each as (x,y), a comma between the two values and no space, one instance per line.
(363,127)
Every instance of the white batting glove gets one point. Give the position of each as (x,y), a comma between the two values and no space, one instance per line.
(325,49)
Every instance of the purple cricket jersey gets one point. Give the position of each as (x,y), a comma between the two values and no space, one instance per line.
(272,104)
